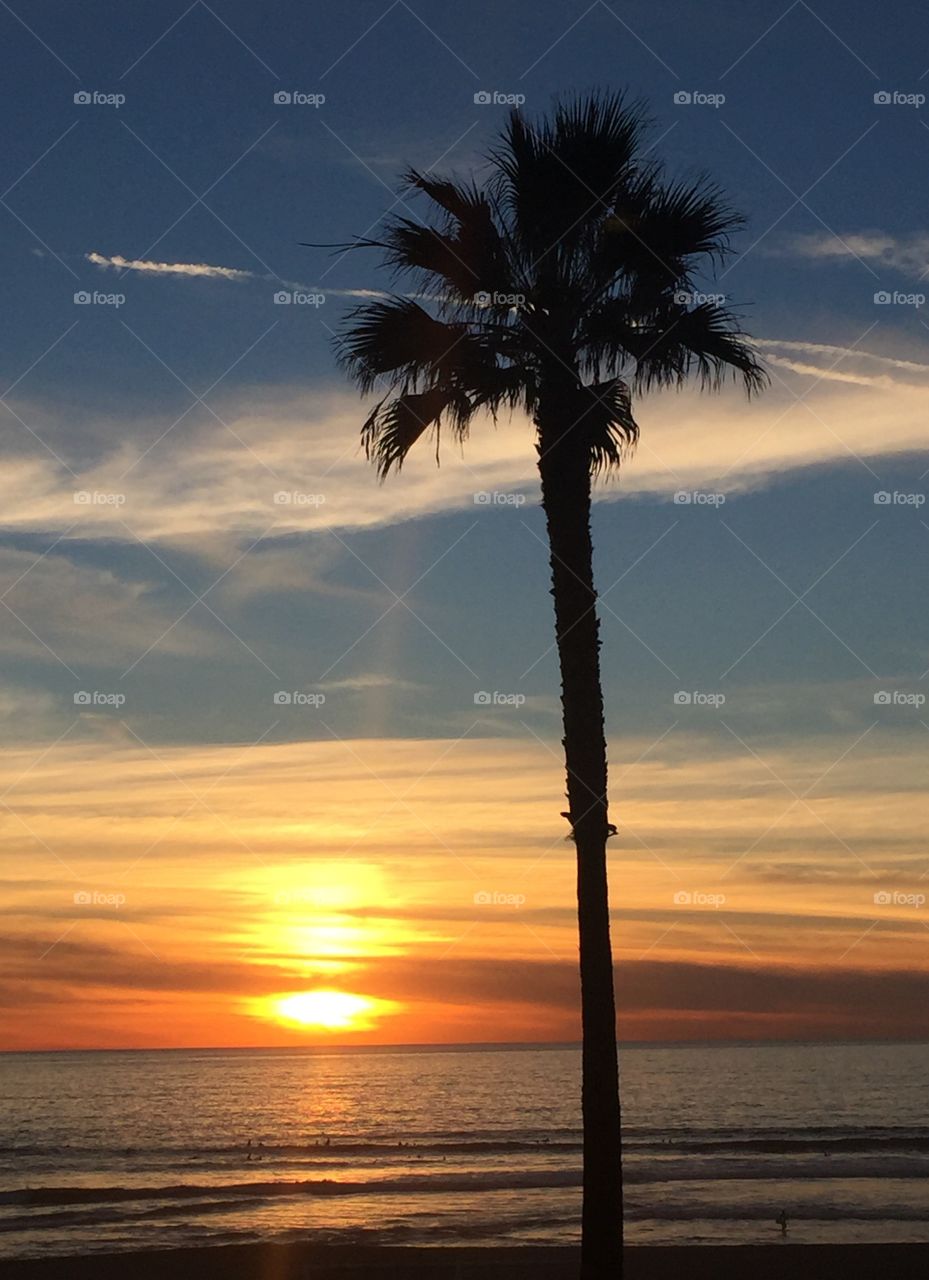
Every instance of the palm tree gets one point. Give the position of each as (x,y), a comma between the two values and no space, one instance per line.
(561,285)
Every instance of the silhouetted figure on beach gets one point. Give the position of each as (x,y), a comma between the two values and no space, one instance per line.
(781,1221)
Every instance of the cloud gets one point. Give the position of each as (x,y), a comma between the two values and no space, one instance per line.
(77,614)
(908,254)
(373,680)
(203,271)
(290,462)
(821,349)
(198,269)
(272,861)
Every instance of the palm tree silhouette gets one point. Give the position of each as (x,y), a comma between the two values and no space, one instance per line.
(561,285)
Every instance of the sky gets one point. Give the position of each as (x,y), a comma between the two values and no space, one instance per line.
(270,730)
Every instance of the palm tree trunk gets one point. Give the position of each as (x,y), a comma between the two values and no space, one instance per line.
(565,473)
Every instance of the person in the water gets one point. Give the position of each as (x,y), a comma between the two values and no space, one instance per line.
(781,1221)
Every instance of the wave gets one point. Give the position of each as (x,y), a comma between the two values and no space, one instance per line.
(419,1184)
(505,1142)
(488,1146)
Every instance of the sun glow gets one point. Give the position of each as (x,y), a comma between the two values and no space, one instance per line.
(329,1010)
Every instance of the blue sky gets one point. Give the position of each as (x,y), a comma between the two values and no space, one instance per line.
(119,181)
(184,586)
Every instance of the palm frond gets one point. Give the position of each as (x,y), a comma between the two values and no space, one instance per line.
(659,231)
(601,252)
(609,424)
(559,175)
(395,424)
(705,340)
(467,254)
(398,339)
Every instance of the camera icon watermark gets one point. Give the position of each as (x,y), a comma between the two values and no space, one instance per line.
(696,98)
(98,498)
(698,498)
(298,298)
(686,898)
(896,98)
(685,698)
(897,698)
(898,898)
(511,300)
(294,498)
(884,298)
(885,498)
(296,698)
(494,98)
(296,98)
(497,699)
(94,898)
(693,298)
(494,498)
(485,898)
(93,98)
(86,298)
(98,698)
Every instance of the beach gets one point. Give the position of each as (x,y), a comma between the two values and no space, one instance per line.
(139,1153)
(321,1262)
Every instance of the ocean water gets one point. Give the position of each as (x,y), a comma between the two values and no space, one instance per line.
(130,1150)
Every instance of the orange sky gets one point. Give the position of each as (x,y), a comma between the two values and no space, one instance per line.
(176,898)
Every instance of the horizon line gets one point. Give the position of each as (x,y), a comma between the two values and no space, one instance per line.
(476,1046)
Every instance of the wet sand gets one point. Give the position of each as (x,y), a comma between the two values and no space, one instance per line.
(349,1262)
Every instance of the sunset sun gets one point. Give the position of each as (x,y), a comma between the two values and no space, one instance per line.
(328,1010)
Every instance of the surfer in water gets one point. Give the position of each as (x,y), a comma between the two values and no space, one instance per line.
(781,1221)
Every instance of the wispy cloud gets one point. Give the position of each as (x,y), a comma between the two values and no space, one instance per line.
(201,270)
(205,271)
(844,364)
(908,254)
(291,459)
(820,349)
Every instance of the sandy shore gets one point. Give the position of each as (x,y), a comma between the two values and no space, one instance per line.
(342,1262)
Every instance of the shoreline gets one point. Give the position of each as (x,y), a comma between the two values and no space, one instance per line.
(267,1261)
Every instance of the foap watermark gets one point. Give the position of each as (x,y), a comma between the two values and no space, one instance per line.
(94,98)
(96,898)
(898,698)
(484,299)
(887,498)
(696,898)
(297,98)
(692,298)
(497,699)
(98,698)
(98,498)
(694,698)
(494,98)
(495,498)
(898,898)
(698,498)
(296,698)
(884,298)
(86,298)
(298,298)
(697,98)
(488,898)
(294,498)
(897,98)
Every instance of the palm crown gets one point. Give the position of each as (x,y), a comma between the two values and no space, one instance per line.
(574,261)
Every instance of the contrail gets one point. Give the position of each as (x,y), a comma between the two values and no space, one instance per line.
(204,271)
(817,348)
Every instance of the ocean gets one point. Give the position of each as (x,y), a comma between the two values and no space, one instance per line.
(130,1150)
